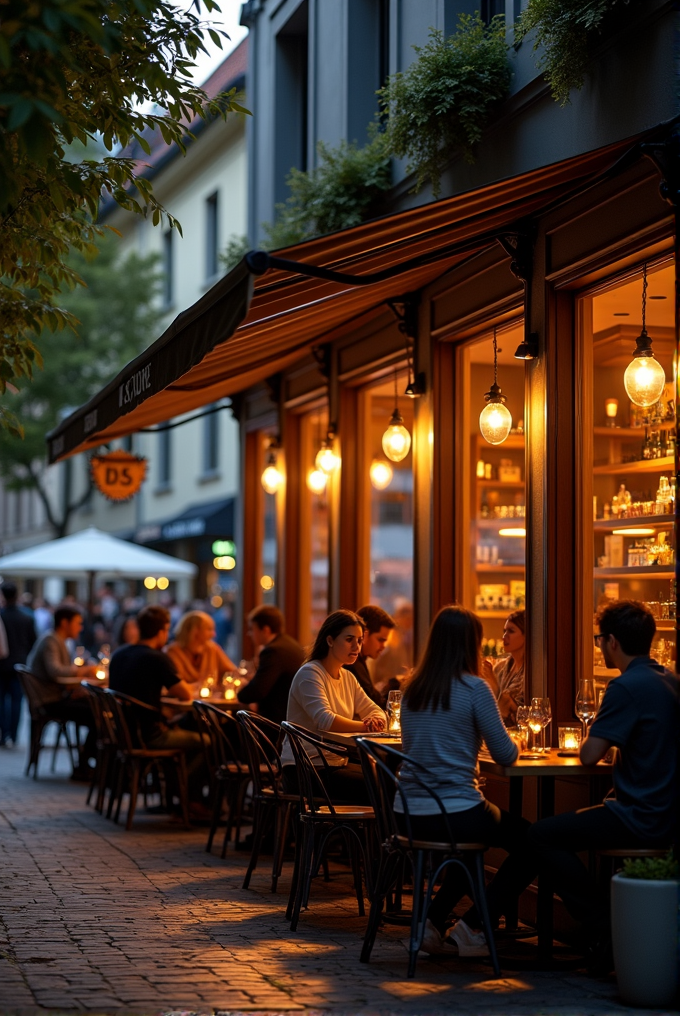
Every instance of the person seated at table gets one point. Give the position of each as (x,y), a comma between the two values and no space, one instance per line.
(640,716)
(194,653)
(377,627)
(126,631)
(50,662)
(142,671)
(447,710)
(506,676)
(279,659)
(325,695)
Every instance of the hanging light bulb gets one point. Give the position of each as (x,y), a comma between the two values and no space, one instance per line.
(272,477)
(381,474)
(495,420)
(644,378)
(396,440)
(326,459)
(316,480)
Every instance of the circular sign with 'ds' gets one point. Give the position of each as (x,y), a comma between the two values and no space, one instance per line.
(118,475)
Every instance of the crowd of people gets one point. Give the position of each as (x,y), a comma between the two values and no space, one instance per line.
(452,702)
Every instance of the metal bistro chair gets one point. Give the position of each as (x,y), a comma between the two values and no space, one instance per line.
(41,716)
(107,744)
(321,818)
(271,807)
(428,859)
(229,775)
(135,761)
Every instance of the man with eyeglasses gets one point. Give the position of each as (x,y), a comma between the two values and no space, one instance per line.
(639,716)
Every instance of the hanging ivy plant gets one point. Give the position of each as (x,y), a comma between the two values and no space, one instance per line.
(566,30)
(441,104)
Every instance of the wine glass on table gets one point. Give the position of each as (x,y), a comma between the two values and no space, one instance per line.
(546,714)
(536,722)
(394,712)
(585,706)
(522,719)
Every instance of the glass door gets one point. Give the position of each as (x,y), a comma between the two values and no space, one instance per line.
(633,458)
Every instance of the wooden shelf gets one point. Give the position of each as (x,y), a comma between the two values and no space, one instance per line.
(641,466)
(488,568)
(665,625)
(517,485)
(625,433)
(641,522)
(495,613)
(518,522)
(633,573)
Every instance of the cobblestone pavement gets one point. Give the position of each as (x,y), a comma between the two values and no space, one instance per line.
(98,919)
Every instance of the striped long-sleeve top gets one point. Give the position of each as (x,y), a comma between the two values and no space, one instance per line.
(447,742)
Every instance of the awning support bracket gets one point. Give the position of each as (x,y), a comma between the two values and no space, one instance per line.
(405,309)
(520,248)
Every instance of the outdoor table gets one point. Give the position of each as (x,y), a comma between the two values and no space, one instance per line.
(546,768)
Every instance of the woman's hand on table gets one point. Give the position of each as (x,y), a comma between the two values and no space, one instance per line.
(374,723)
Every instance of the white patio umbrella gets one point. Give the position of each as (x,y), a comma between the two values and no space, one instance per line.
(92,552)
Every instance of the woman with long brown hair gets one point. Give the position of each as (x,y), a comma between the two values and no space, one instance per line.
(447,711)
(325,695)
(506,677)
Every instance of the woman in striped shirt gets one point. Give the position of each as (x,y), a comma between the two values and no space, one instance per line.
(447,711)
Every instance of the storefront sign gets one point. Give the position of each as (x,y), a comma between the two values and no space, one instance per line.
(118,475)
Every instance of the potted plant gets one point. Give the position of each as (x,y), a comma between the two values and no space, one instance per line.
(644,902)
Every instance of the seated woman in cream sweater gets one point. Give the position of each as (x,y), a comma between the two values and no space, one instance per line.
(325,695)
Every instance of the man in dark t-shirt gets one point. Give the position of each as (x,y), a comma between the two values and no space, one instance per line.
(279,661)
(639,716)
(145,673)
(377,627)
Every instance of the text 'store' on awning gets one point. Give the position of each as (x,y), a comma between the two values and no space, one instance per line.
(248,327)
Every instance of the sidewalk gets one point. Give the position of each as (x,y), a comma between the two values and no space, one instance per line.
(93,918)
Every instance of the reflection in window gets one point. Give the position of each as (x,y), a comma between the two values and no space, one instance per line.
(493,496)
(391,575)
(269,550)
(633,460)
(314,529)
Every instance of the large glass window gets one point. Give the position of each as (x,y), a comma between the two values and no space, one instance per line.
(491,488)
(268,534)
(314,534)
(632,551)
(391,493)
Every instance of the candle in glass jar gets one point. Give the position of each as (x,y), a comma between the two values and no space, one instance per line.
(100,674)
(205,692)
(569,738)
(229,694)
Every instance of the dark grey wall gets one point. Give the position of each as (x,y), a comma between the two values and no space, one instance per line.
(632,85)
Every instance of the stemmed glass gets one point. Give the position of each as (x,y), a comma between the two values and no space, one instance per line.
(585,706)
(536,721)
(543,704)
(523,725)
(394,712)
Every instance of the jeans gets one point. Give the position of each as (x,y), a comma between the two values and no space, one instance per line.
(10,707)
(557,841)
(192,744)
(487,824)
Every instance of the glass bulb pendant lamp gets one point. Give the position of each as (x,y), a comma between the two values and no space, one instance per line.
(316,481)
(272,477)
(396,440)
(644,378)
(495,420)
(381,474)
(326,459)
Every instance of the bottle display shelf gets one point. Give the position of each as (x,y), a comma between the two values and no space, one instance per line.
(626,433)
(516,522)
(504,484)
(637,522)
(650,572)
(488,568)
(639,466)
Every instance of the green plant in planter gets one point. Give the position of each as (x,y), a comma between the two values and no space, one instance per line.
(658,869)
(565,29)
(441,104)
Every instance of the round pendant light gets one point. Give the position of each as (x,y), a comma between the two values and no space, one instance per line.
(326,459)
(381,474)
(495,420)
(272,477)
(396,440)
(644,378)
(316,480)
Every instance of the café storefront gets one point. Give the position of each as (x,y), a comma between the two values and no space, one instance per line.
(319,348)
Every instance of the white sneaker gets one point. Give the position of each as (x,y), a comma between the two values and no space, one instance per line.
(434,944)
(467,941)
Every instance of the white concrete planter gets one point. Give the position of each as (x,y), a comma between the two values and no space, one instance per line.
(645,940)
